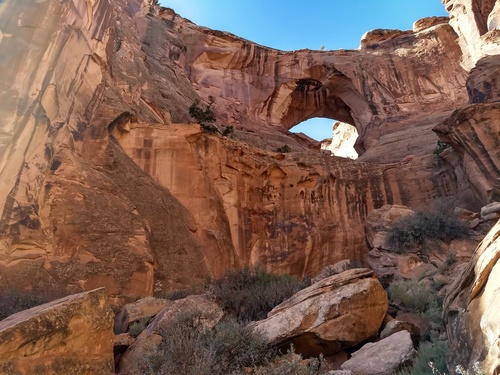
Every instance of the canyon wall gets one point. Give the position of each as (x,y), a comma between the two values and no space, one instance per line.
(103,182)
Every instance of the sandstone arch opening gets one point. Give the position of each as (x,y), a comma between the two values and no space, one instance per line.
(335,136)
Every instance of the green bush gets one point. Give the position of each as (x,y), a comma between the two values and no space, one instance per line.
(429,352)
(204,116)
(189,348)
(412,296)
(284,149)
(228,131)
(418,298)
(249,294)
(441,146)
(415,230)
(136,328)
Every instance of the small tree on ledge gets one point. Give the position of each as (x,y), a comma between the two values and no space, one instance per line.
(205,117)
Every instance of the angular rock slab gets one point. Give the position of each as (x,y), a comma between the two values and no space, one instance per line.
(71,335)
(470,309)
(333,314)
(382,358)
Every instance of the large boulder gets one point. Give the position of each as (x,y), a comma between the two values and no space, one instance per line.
(72,335)
(335,313)
(384,357)
(471,309)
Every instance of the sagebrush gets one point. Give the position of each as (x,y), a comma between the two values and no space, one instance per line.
(189,348)
(415,230)
(250,293)
(428,352)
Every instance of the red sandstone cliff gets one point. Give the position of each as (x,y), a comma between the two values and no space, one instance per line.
(99,187)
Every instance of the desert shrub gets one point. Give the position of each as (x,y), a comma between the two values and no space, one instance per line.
(249,294)
(451,258)
(189,348)
(209,128)
(13,301)
(475,370)
(415,230)
(136,328)
(284,149)
(428,352)
(412,295)
(204,116)
(228,131)
(441,146)
(439,282)
(420,299)
(292,364)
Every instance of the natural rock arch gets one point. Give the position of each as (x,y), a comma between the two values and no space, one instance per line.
(322,92)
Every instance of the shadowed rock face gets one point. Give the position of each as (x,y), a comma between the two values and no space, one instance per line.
(72,335)
(98,188)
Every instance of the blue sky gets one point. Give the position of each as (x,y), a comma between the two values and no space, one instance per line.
(291,25)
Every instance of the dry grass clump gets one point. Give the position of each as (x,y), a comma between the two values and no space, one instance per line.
(250,293)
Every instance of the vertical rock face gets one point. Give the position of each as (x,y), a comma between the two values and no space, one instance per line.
(476,23)
(471,310)
(293,212)
(72,335)
(71,215)
(98,188)
(472,132)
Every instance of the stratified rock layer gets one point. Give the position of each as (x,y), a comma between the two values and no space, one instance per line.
(72,335)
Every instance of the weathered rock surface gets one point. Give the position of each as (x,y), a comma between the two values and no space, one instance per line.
(335,313)
(384,357)
(190,304)
(379,221)
(72,335)
(342,142)
(476,23)
(471,309)
(397,325)
(470,132)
